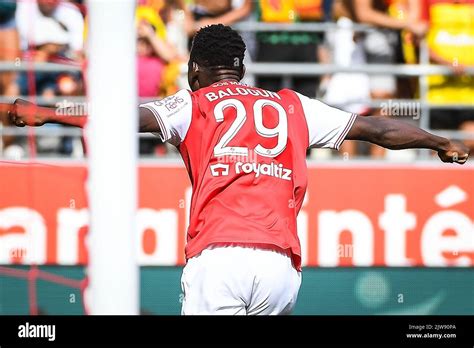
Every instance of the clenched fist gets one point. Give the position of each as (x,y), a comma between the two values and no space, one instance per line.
(456,152)
(23,113)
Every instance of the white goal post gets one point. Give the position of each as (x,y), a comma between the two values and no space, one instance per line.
(112,183)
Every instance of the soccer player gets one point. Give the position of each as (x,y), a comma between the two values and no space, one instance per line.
(245,151)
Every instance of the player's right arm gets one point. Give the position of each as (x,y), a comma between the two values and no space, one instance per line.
(23,113)
(168,118)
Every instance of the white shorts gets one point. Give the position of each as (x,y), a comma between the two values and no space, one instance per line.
(237,280)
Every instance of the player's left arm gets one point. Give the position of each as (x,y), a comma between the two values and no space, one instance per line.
(397,135)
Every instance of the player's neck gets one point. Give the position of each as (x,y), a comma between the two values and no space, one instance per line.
(225,74)
(226,78)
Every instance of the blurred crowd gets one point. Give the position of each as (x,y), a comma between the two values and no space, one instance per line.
(56,31)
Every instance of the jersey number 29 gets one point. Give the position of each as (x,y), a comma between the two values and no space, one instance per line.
(280,131)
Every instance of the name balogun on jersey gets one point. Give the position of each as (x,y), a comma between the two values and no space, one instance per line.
(249,164)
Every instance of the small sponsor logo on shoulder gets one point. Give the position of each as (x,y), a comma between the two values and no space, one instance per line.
(170,103)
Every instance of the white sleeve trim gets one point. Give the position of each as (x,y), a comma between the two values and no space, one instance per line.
(173,114)
(163,123)
(346,130)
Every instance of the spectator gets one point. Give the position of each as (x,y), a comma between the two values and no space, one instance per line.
(150,66)
(451,42)
(154,52)
(158,63)
(179,23)
(31,14)
(468,127)
(381,44)
(289,46)
(9,51)
(9,45)
(169,43)
(408,11)
(345,48)
(50,40)
(228,12)
(407,45)
(51,31)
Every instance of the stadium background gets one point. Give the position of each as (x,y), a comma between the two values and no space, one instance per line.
(383,232)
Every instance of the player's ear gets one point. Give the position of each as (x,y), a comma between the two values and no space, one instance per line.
(193,76)
(242,72)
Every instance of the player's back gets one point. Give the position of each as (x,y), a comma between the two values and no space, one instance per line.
(245,150)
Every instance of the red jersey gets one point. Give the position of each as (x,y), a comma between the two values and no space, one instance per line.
(245,151)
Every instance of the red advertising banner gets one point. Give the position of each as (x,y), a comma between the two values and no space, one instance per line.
(353,215)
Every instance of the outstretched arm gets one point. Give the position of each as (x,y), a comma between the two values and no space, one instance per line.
(23,113)
(397,135)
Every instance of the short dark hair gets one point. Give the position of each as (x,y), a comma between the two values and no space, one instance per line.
(218,45)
